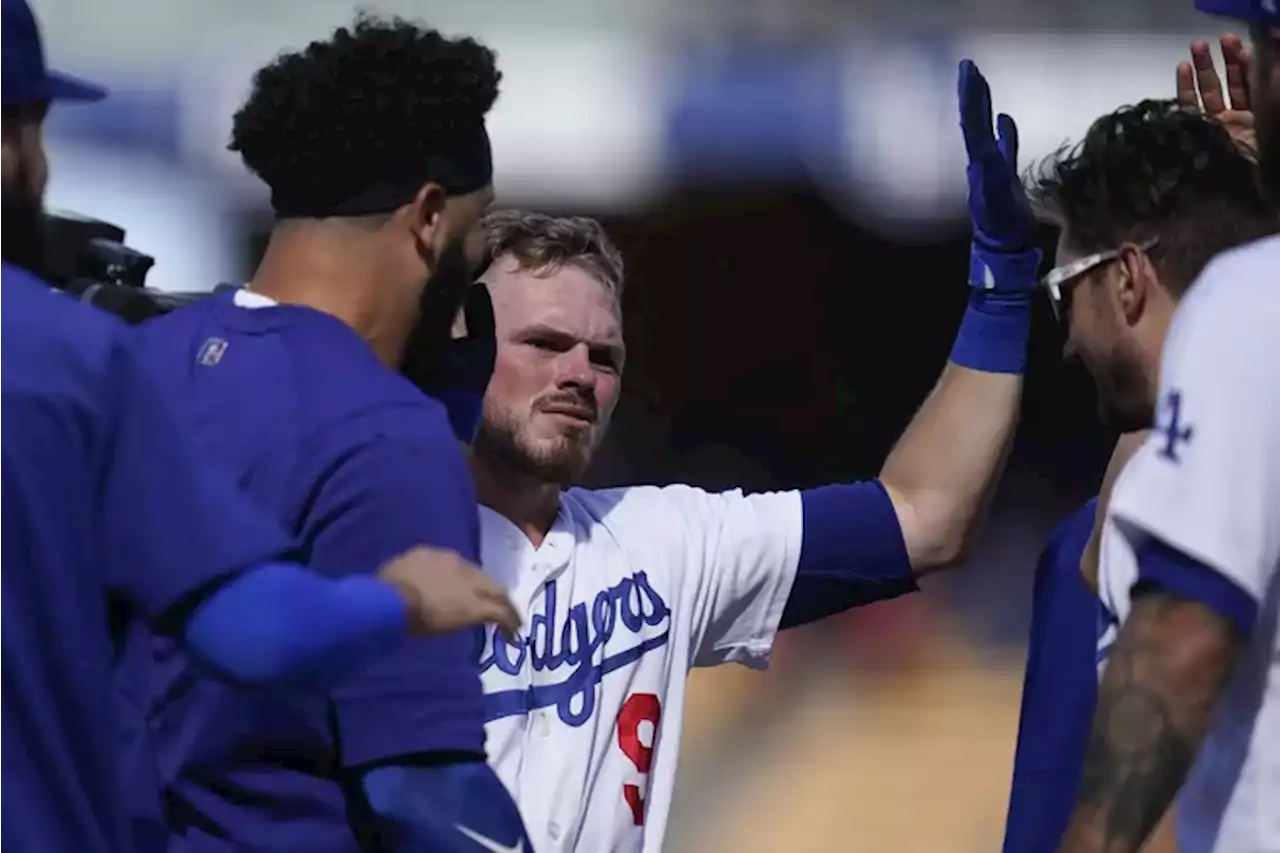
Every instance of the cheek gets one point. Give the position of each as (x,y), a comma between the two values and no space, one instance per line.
(608,389)
(517,379)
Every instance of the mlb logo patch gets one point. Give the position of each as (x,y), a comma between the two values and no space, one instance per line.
(211,352)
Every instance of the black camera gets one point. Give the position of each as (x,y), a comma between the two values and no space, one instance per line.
(87,258)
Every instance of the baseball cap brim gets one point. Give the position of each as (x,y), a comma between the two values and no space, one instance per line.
(1257,11)
(64,87)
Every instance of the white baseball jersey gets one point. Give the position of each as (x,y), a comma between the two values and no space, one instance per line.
(1207,482)
(630,589)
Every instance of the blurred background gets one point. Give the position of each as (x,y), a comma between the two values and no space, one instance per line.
(786,180)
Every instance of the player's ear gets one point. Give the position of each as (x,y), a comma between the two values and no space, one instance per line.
(1135,282)
(427,219)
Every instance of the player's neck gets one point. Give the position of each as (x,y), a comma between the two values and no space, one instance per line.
(529,504)
(1126,446)
(315,267)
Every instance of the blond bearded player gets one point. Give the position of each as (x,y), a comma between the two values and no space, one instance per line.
(624,590)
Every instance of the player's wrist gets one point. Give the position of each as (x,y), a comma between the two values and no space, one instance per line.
(1012,273)
(994,332)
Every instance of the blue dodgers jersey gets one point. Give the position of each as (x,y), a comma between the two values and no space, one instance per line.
(360,466)
(108,518)
(1058,693)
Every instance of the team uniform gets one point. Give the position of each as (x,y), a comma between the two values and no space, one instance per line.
(1068,627)
(107,519)
(359,466)
(1197,512)
(629,590)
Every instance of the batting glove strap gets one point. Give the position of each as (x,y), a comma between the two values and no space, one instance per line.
(1006,273)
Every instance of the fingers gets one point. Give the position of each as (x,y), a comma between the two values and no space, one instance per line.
(1208,83)
(975,107)
(493,605)
(1185,87)
(503,613)
(1237,59)
(1007,138)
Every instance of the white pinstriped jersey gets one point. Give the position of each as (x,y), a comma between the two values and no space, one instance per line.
(1207,482)
(630,589)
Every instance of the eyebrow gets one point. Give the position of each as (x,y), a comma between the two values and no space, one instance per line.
(541,330)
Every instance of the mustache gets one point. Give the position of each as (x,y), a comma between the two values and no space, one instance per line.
(586,404)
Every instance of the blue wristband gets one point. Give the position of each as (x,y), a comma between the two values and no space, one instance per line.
(1010,273)
(994,332)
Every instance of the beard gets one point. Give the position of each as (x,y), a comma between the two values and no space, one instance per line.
(504,437)
(438,306)
(22,225)
(1124,398)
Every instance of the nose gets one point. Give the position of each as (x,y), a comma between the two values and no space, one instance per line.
(573,369)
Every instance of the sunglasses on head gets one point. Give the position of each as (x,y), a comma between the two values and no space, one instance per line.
(1059,281)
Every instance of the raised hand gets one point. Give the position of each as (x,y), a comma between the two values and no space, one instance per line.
(1004,258)
(1200,88)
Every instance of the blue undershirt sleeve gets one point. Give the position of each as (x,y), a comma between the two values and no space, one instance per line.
(852,552)
(281,623)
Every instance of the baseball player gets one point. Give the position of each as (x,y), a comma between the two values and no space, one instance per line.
(374,146)
(1187,705)
(624,590)
(1071,632)
(108,518)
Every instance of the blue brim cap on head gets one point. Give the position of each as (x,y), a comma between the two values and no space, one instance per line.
(1256,11)
(25,77)
(64,87)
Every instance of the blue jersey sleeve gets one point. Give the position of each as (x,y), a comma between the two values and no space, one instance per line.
(388,496)
(172,528)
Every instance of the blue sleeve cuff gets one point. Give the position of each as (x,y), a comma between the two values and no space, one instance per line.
(1171,570)
(281,623)
(456,807)
(852,552)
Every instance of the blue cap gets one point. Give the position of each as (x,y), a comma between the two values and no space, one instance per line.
(25,78)
(1255,11)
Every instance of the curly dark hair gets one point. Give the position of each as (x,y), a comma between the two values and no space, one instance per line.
(369,105)
(1156,169)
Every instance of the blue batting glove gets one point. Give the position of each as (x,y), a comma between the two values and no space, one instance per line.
(1004,259)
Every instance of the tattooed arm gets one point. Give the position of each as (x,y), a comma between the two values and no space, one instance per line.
(1163,680)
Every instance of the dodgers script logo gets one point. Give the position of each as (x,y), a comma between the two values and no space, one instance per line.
(632,608)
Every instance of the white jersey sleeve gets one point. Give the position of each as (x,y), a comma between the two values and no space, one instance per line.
(1207,480)
(742,554)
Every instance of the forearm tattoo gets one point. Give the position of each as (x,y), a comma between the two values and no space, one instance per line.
(1163,679)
